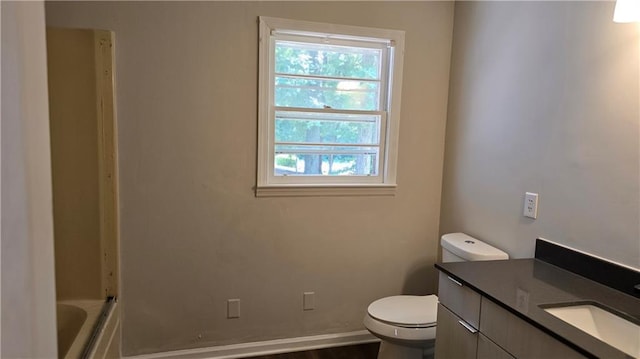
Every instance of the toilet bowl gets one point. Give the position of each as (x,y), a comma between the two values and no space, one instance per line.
(406,324)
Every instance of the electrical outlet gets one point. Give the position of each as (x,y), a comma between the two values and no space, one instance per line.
(308,301)
(233,308)
(531,205)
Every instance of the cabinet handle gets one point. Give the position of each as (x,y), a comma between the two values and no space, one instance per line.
(454,281)
(468,327)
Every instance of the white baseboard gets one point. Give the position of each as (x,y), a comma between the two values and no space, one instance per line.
(247,350)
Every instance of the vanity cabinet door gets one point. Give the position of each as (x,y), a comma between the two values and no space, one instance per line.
(460,299)
(521,339)
(490,350)
(455,338)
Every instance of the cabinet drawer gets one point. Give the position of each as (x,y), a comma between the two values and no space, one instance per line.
(454,338)
(518,337)
(490,350)
(461,300)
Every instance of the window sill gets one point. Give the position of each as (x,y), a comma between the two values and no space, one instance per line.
(325,190)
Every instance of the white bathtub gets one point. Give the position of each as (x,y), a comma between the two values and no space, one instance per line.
(77,321)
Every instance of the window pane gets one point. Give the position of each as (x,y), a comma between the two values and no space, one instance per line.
(313,127)
(326,160)
(318,93)
(327,60)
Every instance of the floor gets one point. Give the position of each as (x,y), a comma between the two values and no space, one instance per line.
(362,351)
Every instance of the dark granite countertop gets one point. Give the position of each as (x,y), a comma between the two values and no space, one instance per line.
(523,285)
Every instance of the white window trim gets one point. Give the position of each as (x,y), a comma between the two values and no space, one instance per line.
(389,148)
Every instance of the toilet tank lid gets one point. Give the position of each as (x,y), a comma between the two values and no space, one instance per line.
(471,249)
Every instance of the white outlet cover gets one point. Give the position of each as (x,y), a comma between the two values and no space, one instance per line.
(308,301)
(530,205)
(233,308)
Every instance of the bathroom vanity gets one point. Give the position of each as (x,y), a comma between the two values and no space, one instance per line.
(503,309)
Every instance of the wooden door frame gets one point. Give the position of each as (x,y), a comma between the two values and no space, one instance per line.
(107,161)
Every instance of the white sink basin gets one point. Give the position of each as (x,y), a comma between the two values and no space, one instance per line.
(604,325)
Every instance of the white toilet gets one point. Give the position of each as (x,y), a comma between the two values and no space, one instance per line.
(406,324)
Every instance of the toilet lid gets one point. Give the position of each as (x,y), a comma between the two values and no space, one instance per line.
(406,310)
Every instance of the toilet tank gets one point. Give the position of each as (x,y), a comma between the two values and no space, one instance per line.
(460,247)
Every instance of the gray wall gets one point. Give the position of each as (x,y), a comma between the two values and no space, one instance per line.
(544,98)
(192,232)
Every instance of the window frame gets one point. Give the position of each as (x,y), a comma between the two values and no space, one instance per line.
(268,184)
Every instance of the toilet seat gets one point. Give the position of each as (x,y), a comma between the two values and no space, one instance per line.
(406,311)
(407,321)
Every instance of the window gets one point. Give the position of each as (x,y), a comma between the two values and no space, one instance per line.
(329,108)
